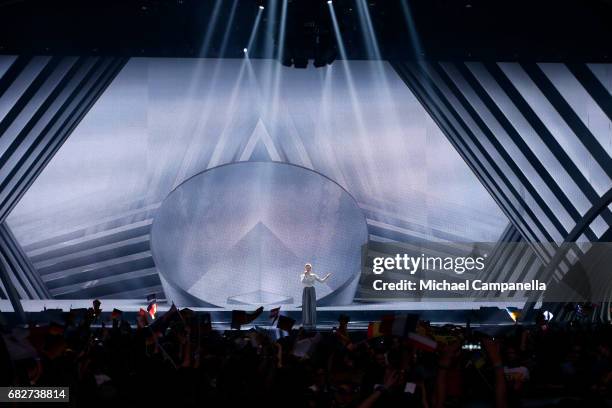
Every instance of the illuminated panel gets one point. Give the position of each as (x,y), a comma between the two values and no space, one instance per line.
(241,234)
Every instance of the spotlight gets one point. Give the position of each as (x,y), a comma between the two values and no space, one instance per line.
(514,313)
(245,50)
(329,1)
(261,7)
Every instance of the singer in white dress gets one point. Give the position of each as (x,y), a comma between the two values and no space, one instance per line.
(309,297)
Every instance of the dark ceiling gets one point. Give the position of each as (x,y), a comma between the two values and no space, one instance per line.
(544,30)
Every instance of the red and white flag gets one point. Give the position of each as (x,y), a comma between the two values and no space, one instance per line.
(422,342)
(152,309)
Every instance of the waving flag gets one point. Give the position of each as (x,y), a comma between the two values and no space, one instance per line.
(274,313)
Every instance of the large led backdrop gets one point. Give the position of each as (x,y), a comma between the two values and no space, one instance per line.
(210,182)
(381,171)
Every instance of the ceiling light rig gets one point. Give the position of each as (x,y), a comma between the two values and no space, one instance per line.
(309,34)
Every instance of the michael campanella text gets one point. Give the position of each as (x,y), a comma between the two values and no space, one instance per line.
(466,285)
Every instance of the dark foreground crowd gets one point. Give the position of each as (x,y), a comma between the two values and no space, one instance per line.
(182,362)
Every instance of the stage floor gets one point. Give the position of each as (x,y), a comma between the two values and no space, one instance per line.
(437,312)
(133,305)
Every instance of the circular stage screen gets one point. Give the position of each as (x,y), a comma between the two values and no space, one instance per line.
(240,234)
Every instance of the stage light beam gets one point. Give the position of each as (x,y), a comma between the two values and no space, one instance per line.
(254,30)
(367,29)
(282,30)
(279,57)
(227,33)
(362,138)
(211,28)
(414,37)
(339,41)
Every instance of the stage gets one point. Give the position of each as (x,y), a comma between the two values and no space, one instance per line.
(438,313)
(208,179)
